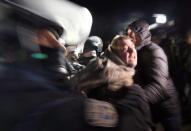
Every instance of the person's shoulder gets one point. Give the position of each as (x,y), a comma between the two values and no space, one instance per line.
(153,50)
(152,47)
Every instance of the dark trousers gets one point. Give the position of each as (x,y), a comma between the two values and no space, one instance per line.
(171,123)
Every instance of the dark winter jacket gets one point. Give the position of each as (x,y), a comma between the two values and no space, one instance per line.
(109,79)
(153,73)
(30,103)
(24,93)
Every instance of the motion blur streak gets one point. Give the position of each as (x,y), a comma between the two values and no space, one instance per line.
(74,19)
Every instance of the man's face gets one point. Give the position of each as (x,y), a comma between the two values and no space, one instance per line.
(127,52)
(135,38)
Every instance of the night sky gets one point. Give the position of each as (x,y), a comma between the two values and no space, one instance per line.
(111,16)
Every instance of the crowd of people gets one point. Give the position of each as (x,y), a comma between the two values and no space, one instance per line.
(176,45)
(128,86)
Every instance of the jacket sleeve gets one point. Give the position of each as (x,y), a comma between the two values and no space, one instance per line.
(155,75)
(88,77)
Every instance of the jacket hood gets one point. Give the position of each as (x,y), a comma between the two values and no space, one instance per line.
(141,27)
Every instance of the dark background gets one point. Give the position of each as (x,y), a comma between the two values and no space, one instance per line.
(112,16)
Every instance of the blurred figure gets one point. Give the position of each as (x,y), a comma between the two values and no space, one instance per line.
(174,47)
(76,24)
(177,49)
(153,76)
(34,93)
(92,49)
(73,56)
(50,46)
(70,29)
(30,92)
(185,55)
(110,79)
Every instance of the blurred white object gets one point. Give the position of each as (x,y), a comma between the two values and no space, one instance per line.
(160,18)
(153,26)
(75,20)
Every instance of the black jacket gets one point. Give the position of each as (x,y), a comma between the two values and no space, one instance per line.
(109,79)
(153,73)
(132,108)
(30,103)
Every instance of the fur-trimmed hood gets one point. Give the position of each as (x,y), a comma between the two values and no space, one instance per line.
(107,71)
